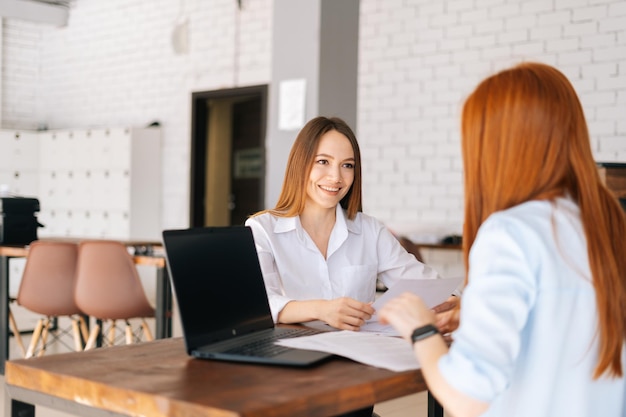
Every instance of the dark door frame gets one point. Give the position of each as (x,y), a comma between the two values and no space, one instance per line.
(199,129)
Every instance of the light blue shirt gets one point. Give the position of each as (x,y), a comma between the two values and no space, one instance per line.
(359,252)
(527,341)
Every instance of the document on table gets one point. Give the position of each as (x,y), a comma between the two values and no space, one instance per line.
(386,352)
(432,291)
(374,344)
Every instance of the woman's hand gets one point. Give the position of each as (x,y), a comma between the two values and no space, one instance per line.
(447,315)
(406,313)
(345,313)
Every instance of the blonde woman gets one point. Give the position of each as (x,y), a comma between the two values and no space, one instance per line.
(320,255)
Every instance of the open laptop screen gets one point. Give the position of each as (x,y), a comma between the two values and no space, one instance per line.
(218,283)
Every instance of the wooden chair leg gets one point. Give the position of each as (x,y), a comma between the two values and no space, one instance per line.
(16,333)
(91,342)
(112,333)
(146,331)
(129,333)
(84,330)
(78,341)
(35,339)
(44,336)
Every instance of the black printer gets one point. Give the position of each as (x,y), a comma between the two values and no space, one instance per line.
(18,221)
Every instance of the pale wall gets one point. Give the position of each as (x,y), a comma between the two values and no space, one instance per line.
(114,65)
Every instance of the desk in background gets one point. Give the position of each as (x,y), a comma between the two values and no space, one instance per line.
(445,258)
(439,246)
(163,306)
(159,379)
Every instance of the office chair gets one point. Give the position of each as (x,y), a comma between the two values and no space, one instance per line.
(47,288)
(108,288)
(411,247)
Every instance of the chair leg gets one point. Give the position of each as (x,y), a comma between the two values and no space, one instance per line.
(91,342)
(112,333)
(44,336)
(84,331)
(35,339)
(16,333)
(129,333)
(78,341)
(146,331)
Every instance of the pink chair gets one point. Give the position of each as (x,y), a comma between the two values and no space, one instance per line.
(108,288)
(47,288)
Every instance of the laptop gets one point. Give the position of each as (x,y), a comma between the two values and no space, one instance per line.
(225,315)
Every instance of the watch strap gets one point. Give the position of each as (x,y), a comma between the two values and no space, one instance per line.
(423,332)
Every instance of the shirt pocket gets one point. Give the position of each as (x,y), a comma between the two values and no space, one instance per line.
(358,282)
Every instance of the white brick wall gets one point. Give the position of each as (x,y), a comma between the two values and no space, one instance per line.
(412,116)
(114,65)
(20,73)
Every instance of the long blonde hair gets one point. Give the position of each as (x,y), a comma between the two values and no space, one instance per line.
(293,194)
(525,138)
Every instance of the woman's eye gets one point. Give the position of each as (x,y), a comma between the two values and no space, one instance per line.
(322,161)
(348,165)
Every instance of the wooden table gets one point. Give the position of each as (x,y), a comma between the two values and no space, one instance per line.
(159,379)
(163,306)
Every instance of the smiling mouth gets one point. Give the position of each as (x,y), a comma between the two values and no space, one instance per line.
(330,189)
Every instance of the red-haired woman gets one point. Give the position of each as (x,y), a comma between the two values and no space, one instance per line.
(543,316)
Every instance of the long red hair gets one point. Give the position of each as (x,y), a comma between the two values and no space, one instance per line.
(524,137)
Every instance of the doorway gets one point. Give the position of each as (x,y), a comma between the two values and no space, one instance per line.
(227,155)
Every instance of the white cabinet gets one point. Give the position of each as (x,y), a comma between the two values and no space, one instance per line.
(100,183)
(19,160)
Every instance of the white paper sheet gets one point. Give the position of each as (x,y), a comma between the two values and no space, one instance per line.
(432,291)
(385,352)
(375,344)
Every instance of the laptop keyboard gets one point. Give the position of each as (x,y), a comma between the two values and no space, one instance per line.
(266,347)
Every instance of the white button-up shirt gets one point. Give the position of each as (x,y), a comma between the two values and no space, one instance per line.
(360,251)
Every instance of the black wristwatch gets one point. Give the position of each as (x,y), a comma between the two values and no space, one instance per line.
(423,332)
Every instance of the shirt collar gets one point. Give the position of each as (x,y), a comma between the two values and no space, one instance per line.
(287,224)
(353,226)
